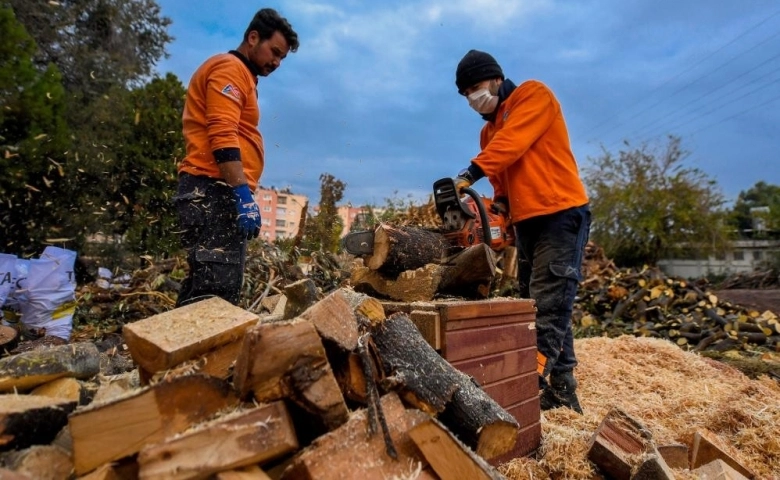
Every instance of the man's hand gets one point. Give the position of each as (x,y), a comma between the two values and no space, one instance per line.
(248,212)
(461,183)
(499,206)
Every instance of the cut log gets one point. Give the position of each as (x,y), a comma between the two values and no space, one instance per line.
(42,462)
(427,381)
(718,470)
(31,420)
(469,273)
(66,388)
(349,374)
(397,249)
(479,421)
(619,444)
(418,285)
(300,295)
(287,360)
(165,340)
(116,385)
(351,452)
(708,447)
(450,459)
(27,370)
(334,319)
(240,439)
(106,432)
(364,305)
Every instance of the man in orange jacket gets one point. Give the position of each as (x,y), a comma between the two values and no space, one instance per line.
(225,158)
(527,158)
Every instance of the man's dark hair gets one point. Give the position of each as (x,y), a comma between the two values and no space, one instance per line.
(267,21)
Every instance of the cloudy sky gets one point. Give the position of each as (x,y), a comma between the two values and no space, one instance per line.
(370,96)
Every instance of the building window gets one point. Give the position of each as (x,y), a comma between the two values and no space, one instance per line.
(720,256)
(267,196)
(281,200)
(758,255)
(739,255)
(280,223)
(280,212)
(266,208)
(266,221)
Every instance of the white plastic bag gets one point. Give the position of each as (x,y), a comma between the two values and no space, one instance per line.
(7,274)
(51,293)
(17,294)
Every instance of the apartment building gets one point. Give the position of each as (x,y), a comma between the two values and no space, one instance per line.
(281,212)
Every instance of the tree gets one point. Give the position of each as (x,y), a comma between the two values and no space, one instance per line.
(34,188)
(648,205)
(761,196)
(322,232)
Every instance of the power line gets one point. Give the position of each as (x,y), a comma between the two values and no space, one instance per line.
(659,87)
(762,104)
(705,75)
(682,107)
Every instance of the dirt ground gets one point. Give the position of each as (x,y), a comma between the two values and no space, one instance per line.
(760,300)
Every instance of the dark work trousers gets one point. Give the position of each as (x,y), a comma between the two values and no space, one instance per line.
(550,249)
(216,251)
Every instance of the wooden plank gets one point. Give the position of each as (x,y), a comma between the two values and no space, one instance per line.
(449,458)
(462,344)
(165,340)
(110,431)
(31,419)
(513,390)
(240,439)
(527,412)
(498,366)
(488,308)
(490,321)
(429,325)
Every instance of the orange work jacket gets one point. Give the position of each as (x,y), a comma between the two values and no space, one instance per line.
(527,157)
(221,111)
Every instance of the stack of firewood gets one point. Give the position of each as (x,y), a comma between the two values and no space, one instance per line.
(645,302)
(321,388)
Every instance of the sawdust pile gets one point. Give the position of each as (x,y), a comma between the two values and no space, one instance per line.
(672,392)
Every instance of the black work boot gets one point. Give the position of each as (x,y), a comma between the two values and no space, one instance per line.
(563,387)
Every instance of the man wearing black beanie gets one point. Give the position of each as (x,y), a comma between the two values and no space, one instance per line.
(526,156)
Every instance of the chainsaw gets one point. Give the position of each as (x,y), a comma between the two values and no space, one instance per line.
(466,221)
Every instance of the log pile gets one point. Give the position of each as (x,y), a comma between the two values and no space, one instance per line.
(327,387)
(758,279)
(645,302)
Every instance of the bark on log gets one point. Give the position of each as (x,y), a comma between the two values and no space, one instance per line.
(9,338)
(397,249)
(427,381)
(287,360)
(29,369)
(106,432)
(469,272)
(240,439)
(29,419)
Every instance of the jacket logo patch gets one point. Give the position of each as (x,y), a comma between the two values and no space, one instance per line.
(231,91)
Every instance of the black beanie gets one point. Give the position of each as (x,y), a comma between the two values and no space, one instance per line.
(475,67)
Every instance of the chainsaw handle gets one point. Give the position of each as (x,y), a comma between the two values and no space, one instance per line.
(483,216)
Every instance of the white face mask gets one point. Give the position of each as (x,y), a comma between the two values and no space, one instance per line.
(482,101)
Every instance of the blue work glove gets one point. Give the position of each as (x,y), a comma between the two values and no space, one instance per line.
(248,212)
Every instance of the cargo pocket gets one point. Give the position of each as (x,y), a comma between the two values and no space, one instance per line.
(567,279)
(219,272)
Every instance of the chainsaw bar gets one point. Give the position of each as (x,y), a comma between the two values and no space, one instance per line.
(359,243)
